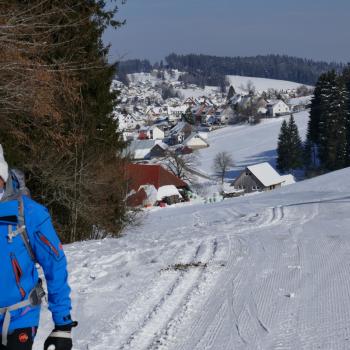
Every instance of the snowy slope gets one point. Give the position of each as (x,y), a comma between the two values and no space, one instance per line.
(261,84)
(248,144)
(268,271)
(198,92)
(152,77)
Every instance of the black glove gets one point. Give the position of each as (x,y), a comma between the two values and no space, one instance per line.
(60,338)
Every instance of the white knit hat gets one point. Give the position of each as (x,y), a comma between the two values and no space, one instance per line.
(4,168)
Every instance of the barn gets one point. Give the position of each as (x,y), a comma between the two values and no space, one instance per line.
(258,177)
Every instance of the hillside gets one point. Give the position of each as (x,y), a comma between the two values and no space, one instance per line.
(210,70)
(260,84)
(238,82)
(248,144)
(261,272)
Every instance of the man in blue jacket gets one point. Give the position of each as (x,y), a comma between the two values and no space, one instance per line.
(27,237)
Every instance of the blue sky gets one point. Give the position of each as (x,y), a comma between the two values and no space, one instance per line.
(318,29)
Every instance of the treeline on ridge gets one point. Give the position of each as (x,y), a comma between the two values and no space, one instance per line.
(211,70)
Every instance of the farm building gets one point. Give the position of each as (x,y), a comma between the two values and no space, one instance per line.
(259,177)
(151,184)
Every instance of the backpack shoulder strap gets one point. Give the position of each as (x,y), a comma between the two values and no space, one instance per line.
(22,229)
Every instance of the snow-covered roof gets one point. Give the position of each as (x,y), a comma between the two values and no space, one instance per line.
(140,149)
(151,193)
(142,144)
(275,103)
(262,110)
(167,191)
(203,135)
(151,127)
(178,127)
(288,180)
(195,136)
(266,174)
(162,145)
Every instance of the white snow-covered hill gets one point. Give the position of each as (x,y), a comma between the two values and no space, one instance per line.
(248,144)
(239,83)
(260,84)
(258,272)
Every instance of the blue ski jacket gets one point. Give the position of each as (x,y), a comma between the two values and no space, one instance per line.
(18,274)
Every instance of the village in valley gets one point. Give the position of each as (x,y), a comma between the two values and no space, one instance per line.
(166,123)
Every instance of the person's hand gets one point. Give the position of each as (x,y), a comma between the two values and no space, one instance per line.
(60,338)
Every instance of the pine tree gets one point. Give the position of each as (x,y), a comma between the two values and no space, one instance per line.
(290,148)
(346,79)
(309,157)
(316,109)
(332,123)
(65,137)
(295,145)
(283,148)
(231,93)
(189,117)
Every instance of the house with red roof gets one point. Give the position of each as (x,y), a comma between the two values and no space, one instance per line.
(149,184)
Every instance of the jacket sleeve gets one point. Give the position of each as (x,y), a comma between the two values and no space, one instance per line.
(50,255)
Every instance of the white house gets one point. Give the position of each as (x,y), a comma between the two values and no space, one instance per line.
(278,108)
(175,113)
(258,177)
(128,121)
(196,141)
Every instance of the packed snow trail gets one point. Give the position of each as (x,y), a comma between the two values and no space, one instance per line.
(269,271)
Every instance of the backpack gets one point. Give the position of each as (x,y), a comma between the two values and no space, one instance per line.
(15,190)
(20,189)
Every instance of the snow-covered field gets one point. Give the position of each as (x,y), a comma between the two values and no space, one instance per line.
(198,92)
(260,84)
(268,271)
(248,144)
(152,77)
(239,83)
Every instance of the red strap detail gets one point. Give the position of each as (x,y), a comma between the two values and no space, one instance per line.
(18,274)
(48,243)
(17,269)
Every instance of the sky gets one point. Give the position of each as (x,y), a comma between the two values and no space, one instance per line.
(317,29)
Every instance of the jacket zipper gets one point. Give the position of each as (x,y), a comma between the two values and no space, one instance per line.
(49,244)
(18,274)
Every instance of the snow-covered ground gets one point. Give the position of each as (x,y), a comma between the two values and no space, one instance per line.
(239,83)
(305,100)
(258,272)
(260,84)
(248,144)
(152,77)
(198,92)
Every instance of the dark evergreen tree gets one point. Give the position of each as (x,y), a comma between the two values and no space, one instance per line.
(65,138)
(290,148)
(332,123)
(317,107)
(189,117)
(135,66)
(346,79)
(271,66)
(231,93)
(309,157)
(283,148)
(295,145)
